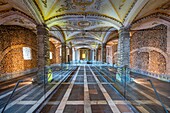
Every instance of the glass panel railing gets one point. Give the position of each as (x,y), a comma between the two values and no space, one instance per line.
(11,95)
(107,76)
(157,95)
(139,92)
(32,92)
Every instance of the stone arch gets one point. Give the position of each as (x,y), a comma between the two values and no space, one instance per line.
(56,32)
(148,49)
(147,53)
(139,60)
(107,34)
(151,21)
(90,39)
(56,52)
(13,39)
(79,47)
(88,28)
(115,23)
(54,40)
(14,15)
(92,35)
(13,47)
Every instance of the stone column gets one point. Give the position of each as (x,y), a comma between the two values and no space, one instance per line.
(73,54)
(43,53)
(76,54)
(103,53)
(92,55)
(63,53)
(96,54)
(70,54)
(123,55)
(89,54)
(168,51)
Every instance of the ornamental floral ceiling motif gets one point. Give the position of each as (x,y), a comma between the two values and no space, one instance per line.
(111,8)
(82,5)
(81,24)
(74,29)
(79,21)
(84,27)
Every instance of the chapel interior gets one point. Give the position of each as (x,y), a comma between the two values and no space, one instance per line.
(84,56)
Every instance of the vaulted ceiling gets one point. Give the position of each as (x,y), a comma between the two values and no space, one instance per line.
(110,8)
(80,23)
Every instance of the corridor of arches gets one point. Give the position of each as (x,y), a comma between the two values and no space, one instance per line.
(85,56)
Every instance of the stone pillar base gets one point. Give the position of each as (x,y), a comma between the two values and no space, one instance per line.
(44,76)
(123,75)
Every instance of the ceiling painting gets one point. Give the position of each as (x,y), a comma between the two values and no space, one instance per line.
(81,22)
(60,7)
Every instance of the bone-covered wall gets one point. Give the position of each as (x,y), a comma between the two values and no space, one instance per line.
(148,49)
(12,41)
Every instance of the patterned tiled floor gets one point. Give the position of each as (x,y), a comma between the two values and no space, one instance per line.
(88,90)
(85,93)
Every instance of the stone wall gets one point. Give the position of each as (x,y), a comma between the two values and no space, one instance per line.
(157,63)
(168,51)
(12,41)
(140,60)
(109,54)
(99,54)
(58,57)
(153,37)
(149,60)
(114,56)
(53,50)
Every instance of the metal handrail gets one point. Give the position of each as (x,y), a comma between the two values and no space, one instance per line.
(157,95)
(11,95)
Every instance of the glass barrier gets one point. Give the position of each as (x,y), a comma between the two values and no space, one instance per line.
(145,93)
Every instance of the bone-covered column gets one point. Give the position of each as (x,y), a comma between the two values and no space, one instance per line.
(123,58)
(43,53)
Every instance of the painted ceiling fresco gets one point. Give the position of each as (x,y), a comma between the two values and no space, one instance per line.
(80,22)
(112,8)
(84,30)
